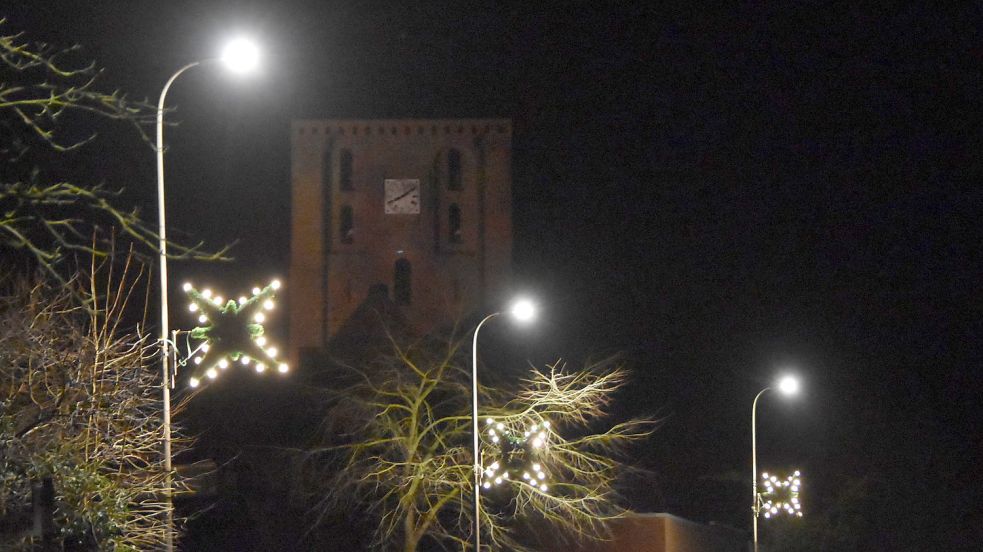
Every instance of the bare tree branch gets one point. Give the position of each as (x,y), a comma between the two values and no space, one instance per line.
(49,217)
(78,404)
(405,455)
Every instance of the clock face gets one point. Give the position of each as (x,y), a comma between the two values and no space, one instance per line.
(402,196)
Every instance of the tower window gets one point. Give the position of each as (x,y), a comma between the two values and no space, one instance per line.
(346,227)
(454,223)
(402,277)
(326,170)
(453,170)
(345,171)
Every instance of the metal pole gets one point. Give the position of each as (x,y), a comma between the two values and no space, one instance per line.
(164,329)
(754,466)
(474,431)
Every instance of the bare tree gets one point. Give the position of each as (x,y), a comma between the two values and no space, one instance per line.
(79,408)
(51,102)
(397,442)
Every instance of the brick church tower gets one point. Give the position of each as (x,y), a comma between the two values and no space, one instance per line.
(420,208)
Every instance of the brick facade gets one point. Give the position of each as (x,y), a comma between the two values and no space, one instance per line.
(438,264)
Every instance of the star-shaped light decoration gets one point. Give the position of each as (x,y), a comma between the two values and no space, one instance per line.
(232,331)
(781,496)
(516,458)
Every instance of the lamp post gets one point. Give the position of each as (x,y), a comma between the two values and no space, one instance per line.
(788,386)
(522,310)
(239,56)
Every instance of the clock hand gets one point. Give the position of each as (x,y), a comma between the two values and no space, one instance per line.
(397,198)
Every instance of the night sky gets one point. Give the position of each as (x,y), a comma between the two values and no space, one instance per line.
(716,193)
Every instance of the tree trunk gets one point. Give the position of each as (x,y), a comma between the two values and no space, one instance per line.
(43,499)
(410,537)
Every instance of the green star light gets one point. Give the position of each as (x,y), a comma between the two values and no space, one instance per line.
(232,332)
(781,496)
(514,454)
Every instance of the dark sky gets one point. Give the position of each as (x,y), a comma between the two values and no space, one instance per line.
(718,193)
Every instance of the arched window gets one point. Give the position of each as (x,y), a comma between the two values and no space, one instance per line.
(402,280)
(345,171)
(454,223)
(453,170)
(346,226)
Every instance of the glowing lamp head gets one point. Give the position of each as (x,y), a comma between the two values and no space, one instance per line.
(788,386)
(241,56)
(523,310)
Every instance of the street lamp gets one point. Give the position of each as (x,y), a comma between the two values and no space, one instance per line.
(239,56)
(788,386)
(522,310)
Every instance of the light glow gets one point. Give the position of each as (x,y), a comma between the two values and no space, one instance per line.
(523,310)
(788,386)
(241,55)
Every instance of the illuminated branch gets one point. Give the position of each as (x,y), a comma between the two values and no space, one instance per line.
(79,405)
(404,451)
(45,216)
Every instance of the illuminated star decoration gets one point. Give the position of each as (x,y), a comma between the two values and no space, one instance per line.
(233,332)
(781,496)
(516,458)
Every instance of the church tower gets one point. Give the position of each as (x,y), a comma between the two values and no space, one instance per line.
(420,208)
